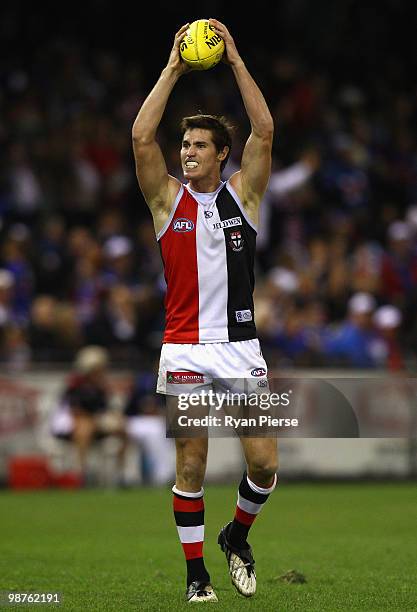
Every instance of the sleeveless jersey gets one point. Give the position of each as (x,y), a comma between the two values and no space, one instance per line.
(208,251)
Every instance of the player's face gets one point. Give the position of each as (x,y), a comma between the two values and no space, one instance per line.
(199,156)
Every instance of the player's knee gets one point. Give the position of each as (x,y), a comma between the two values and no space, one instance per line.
(263,472)
(190,478)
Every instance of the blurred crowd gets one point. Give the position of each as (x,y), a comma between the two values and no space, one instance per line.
(337,259)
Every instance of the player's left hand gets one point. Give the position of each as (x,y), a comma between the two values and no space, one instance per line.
(231,55)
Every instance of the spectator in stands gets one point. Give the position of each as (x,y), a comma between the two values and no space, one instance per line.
(14,349)
(116,325)
(343,178)
(399,267)
(51,257)
(68,331)
(15,352)
(119,263)
(25,187)
(355,343)
(387,320)
(43,338)
(87,289)
(7,313)
(15,251)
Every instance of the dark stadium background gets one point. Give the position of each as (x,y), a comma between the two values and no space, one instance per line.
(331,72)
(350,38)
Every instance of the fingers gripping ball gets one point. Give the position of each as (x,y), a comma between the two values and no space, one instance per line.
(201,48)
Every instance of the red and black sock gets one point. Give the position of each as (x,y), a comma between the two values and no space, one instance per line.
(189,517)
(250,501)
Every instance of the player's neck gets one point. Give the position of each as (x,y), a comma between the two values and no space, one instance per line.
(205,185)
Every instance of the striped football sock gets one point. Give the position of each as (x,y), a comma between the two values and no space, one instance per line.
(189,517)
(250,501)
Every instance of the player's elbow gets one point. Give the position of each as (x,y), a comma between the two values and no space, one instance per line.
(141,138)
(141,134)
(268,128)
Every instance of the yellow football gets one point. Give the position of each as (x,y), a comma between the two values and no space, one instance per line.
(201,48)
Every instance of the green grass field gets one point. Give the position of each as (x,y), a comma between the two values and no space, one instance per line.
(356,544)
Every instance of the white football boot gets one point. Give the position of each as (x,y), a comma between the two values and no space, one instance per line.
(200,592)
(241,564)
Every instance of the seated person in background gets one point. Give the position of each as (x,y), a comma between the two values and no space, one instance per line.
(83,414)
(145,424)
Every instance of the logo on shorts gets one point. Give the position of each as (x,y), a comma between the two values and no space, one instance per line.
(258,372)
(182,225)
(184,378)
(236,241)
(263,383)
(243,315)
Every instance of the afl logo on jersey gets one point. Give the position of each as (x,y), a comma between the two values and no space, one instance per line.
(258,372)
(182,225)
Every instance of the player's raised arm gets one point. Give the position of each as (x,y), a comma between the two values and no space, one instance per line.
(251,181)
(158,187)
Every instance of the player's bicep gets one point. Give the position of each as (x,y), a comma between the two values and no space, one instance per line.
(152,173)
(256,168)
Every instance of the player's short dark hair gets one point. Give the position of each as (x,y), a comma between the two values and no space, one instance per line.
(221,131)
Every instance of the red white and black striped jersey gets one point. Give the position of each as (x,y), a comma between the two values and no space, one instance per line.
(208,250)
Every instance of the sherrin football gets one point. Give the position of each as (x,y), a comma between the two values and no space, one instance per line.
(201,48)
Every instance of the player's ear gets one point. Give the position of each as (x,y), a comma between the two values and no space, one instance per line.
(223,154)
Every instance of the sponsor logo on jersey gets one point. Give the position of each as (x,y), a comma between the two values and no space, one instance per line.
(227,223)
(184,378)
(236,241)
(208,214)
(258,372)
(243,315)
(182,225)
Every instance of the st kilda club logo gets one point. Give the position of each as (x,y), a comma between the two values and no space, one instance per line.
(236,241)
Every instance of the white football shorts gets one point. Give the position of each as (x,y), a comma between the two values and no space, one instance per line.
(219,366)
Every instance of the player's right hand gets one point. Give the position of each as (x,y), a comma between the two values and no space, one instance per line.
(231,55)
(175,61)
